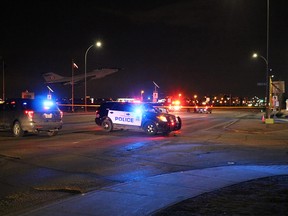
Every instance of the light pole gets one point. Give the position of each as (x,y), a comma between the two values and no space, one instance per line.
(267,61)
(3,78)
(267,104)
(97,44)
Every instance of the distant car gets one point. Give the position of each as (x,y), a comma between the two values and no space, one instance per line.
(203,108)
(23,116)
(175,106)
(127,115)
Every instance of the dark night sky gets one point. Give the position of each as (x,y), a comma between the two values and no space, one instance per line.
(188,46)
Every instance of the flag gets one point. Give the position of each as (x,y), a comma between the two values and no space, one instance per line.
(75,65)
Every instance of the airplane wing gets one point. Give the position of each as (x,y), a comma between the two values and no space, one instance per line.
(100,73)
(56,78)
(95,74)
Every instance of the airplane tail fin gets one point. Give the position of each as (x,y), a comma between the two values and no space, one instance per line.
(51,77)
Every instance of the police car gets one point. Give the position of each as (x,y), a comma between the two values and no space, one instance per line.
(127,115)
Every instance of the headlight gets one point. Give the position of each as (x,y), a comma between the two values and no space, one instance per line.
(162,118)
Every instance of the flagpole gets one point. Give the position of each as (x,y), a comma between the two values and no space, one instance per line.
(72,85)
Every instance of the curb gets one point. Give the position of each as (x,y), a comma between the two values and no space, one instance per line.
(152,194)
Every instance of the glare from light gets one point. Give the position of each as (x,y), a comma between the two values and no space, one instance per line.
(138,110)
(47,104)
(98,44)
(162,118)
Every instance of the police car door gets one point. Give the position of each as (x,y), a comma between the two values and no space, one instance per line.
(126,115)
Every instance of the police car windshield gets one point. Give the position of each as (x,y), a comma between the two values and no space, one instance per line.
(149,108)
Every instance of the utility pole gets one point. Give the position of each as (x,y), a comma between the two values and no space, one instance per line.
(267,65)
(3,78)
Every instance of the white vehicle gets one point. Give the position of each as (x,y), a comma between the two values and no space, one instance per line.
(151,119)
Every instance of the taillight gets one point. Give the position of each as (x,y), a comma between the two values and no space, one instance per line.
(61,114)
(97,114)
(30,113)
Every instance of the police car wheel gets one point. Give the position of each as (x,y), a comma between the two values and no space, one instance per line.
(180,123)
(107,125)
(150,128)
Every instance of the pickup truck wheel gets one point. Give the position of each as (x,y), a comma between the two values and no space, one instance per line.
(150,128)
(17,129)
(107,125)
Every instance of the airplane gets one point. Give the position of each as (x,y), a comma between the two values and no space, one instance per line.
(95,74)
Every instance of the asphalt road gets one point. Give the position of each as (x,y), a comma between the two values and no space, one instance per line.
(38,169)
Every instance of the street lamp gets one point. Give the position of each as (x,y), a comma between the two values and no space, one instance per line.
(255,55)
(97,44)
(3,78)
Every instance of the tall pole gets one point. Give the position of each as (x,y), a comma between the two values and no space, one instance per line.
(97,44)
(267,52)
(267,66)
(3,79)
(85,98)
(268,83)
(72,85)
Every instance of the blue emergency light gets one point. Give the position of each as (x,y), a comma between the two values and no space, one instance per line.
(48,104)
